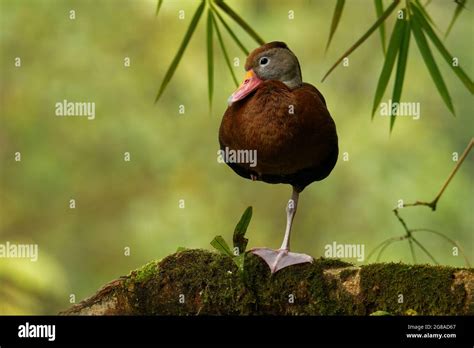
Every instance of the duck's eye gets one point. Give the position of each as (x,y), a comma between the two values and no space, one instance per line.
(264,61)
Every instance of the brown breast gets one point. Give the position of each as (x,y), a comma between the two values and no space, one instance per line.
(291,130)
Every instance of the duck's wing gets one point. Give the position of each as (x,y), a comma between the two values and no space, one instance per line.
(311,89)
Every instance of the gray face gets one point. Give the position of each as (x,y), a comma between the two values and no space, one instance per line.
(278,64)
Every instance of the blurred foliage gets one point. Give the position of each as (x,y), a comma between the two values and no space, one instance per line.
(408,232)
(460,6)
(136,204)
(412,19)
(212,25)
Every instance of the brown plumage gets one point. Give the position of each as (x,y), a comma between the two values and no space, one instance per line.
(285,120)
(294,149)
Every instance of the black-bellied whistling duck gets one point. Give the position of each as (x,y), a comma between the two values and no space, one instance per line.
(286,122)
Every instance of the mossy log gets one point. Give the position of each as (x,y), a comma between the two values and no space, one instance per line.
(199,282)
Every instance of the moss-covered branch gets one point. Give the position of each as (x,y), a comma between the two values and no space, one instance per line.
(193,282)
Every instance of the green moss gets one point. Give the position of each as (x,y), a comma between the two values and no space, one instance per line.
(289,291)
(193,282)
(296,290)
(142,274)
(146,272)
(202,282)
(426,290)
(347,273)
(332,263)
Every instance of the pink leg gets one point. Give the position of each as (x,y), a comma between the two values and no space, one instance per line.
(281,258)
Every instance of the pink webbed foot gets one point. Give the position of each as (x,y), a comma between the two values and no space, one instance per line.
(281,258)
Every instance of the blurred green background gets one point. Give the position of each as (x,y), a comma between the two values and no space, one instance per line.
(135,204)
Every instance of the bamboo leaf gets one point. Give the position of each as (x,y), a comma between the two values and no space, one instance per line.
(392,50)
(425,14)
(460,6)
(442,49)
(231,33)
(220,245)
(430,62)
(174,64)
(335,20)
(364,37)
(210,57)
(224,50)
(230,12)
(401,67)
(239,239)
(158,6)
(379,11)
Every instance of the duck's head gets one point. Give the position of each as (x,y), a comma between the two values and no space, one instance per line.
(272,61)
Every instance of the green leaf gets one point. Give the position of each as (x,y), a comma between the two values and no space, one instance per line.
(224,50)
(460,6)
(364,37)
(392,50)
(442,49)
(430,62)
(231,33)
(210,57)
(220,245)
(182,48)
(379,11)
(158,6)
(239,239)
(335,20)
(230,12)
(181,249)
(422,9)
(239,261)
(401,67)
